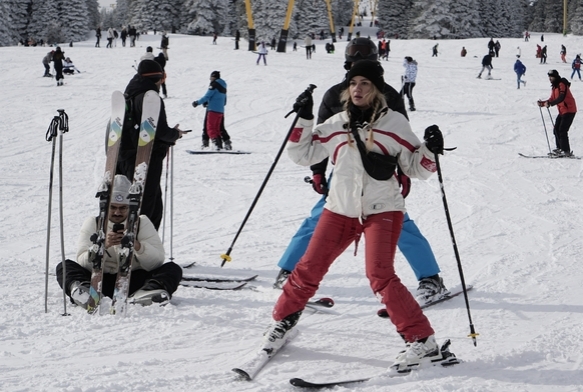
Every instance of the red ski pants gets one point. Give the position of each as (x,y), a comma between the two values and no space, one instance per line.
(333,234)
(213,124)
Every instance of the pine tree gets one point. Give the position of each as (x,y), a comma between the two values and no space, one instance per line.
(466,19)
(431,19)
(73,19)
(93,16)
(394,17)
(576,24)
(43,21)
(310,17)
(342,11)
(6,33)
(18,17)
(269,17)
(553,16)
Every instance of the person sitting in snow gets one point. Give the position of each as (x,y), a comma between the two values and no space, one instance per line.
(68,67)
(152,280)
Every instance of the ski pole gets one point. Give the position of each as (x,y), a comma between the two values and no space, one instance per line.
(171,201)
(545,127)
(50,136)
(473,333)
(226,256)
(165,195)
(63,127)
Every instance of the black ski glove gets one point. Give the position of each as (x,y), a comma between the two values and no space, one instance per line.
(194,104)
(304,105)
(434,139)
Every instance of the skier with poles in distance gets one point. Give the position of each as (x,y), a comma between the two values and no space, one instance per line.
(412,243)
(152,280)
(149,77)
(561,97)
(364,198)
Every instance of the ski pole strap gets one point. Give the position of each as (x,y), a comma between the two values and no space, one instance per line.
(63,121)
(53,128)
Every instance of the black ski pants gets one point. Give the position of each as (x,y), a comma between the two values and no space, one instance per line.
(169,275)
(561,130)
(408,91)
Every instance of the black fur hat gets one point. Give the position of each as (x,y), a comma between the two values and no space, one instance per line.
(372,70)
(216,74)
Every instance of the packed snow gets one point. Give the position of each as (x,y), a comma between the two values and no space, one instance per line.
(517,223)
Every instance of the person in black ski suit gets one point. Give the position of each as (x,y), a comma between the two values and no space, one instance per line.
(149,77)
(161,60)
(486,65)
(58,58)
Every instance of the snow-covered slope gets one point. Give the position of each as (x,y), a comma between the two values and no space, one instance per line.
(517,222)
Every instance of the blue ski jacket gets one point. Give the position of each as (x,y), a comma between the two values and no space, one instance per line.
(216,96)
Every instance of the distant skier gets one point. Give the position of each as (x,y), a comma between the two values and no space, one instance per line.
(543,55)
(576,66)
(58,58)
(409,80)
(464,52)
(435,50)
(46,61)
(561,97)
(262,52)
(486,65)
(563,54)
(308,44)
(520,70)
(216,98)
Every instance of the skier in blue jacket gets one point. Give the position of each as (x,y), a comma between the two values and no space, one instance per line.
(520,70)
(412,243)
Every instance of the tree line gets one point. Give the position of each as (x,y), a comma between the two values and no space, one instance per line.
(62,21)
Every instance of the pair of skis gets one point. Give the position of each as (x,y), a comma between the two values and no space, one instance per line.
(253,366)
(147,133)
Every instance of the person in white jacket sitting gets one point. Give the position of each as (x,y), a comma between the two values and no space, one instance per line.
(365,142)
(68,67)
(151,279)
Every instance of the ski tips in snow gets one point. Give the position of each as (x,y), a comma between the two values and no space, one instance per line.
(205,152)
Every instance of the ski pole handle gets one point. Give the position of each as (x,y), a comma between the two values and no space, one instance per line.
(309,90)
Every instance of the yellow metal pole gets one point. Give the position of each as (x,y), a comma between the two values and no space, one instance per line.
(281,45)
(250,25)
(564,17)
(331,19)
(351,27)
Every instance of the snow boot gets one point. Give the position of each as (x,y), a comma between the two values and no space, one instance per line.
(217,144)
(431,289)
(421,351)
(281,278)
(273,338)
(152,292)
(80,293)
(227,145)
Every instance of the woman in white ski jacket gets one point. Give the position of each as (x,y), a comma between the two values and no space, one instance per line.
(359,204)
(409,80)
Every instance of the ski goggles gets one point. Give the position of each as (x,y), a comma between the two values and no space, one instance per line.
(359,51)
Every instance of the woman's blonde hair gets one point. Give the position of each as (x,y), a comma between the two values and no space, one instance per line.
(377,103)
